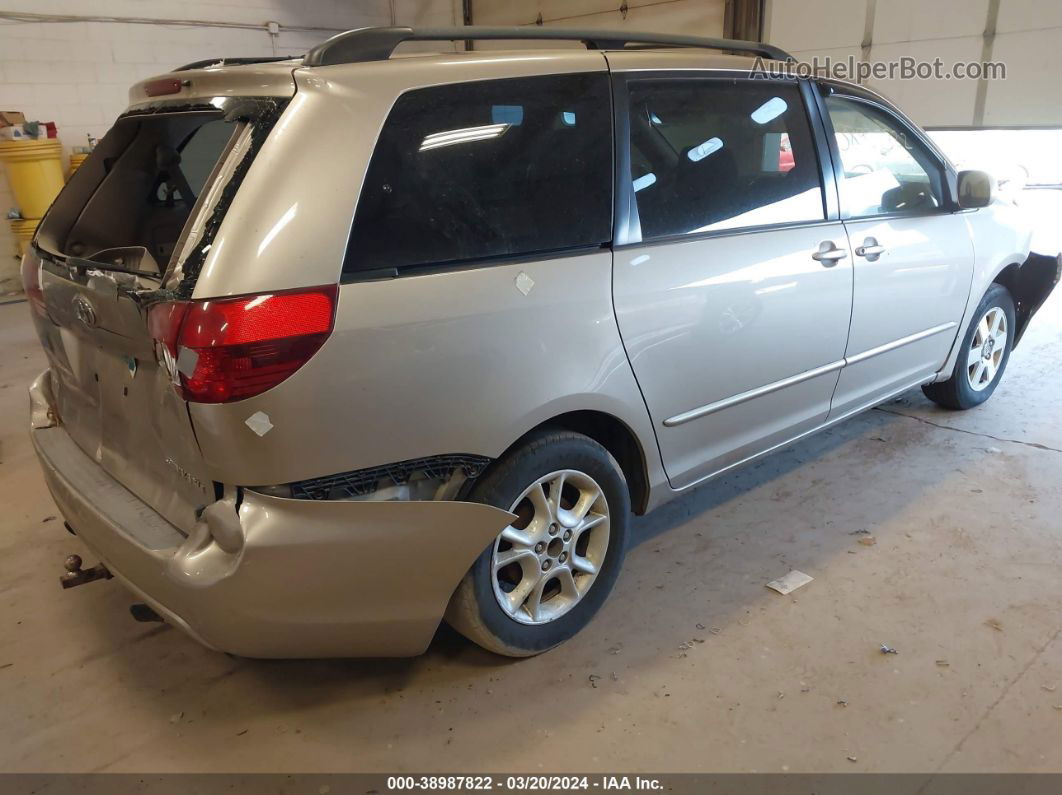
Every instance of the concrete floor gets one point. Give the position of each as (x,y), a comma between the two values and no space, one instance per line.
(700,667)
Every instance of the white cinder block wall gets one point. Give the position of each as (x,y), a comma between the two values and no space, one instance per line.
(78,73)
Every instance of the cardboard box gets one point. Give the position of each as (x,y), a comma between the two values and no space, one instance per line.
(11,118)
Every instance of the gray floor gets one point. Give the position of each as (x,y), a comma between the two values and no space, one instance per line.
(700,667)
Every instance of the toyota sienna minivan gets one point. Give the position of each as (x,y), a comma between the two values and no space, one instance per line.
(343,346)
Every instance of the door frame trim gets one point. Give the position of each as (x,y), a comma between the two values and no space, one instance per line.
(799,378)
(899,343)
(830,422)
(752,394)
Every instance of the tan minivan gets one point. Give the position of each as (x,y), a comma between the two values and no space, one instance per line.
(343,345)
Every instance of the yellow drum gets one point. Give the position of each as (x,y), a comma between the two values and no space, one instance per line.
(23,230)
(76,159)
(35,172)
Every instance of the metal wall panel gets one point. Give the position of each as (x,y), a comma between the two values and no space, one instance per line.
(1020,33)
(693,17)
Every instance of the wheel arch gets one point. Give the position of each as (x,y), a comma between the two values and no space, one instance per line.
(1029,284)
(615,436)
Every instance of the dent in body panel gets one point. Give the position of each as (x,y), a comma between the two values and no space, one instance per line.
(42,415)
(437,363)
(115,400)
(329,589)
(278,577)
(332,584)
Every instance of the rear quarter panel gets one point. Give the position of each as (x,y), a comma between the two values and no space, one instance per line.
(454,362)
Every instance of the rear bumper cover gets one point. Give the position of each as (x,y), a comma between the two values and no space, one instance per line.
(300,579)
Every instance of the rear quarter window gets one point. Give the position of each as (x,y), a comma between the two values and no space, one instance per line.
(487,169)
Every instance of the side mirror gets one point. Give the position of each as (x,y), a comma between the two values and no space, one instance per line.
(975,189)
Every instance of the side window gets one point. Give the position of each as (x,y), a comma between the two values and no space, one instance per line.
(714,154)
(886,169)
(487,169)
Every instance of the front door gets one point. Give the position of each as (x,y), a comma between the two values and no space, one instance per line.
(913,255)
(733,291)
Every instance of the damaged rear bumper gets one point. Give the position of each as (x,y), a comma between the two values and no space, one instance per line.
(296,578)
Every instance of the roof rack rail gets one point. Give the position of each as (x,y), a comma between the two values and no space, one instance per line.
(377,44)
(232,62)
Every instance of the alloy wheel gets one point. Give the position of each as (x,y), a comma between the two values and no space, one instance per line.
(985,354)
(544,563)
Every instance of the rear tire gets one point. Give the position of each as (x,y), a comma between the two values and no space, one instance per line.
(983,356)
(547,574)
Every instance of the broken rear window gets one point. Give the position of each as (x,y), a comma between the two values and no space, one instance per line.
(156,171)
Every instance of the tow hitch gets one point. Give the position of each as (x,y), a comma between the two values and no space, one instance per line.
(75,575)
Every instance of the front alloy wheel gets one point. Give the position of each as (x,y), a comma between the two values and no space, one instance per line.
(985,354)
(983,357)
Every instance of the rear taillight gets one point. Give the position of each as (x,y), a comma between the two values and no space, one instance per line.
(31,284)
(234,348)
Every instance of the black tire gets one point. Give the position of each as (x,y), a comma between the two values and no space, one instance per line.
(474,610)
(957,392)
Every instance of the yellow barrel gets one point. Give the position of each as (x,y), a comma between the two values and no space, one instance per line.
(76,159)
(35,172)
(23,230)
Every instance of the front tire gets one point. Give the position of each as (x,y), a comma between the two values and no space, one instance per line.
(545,576)
(983,356)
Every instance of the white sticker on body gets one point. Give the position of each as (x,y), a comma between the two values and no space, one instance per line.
(524,283)
(259,423)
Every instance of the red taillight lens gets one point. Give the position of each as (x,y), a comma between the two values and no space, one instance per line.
(164,323)
(234,348)
(31,284)
(163,86)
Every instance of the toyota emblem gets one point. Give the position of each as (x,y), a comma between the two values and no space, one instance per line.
(84,312)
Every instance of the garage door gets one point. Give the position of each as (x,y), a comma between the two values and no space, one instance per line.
(1022,34)
(693,17)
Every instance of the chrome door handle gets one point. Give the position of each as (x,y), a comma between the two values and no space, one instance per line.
(870,249)
(828,254)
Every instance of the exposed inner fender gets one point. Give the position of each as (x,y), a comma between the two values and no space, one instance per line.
(1030,283)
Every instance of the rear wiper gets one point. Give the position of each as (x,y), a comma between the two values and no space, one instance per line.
(141,296)
(83,265)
